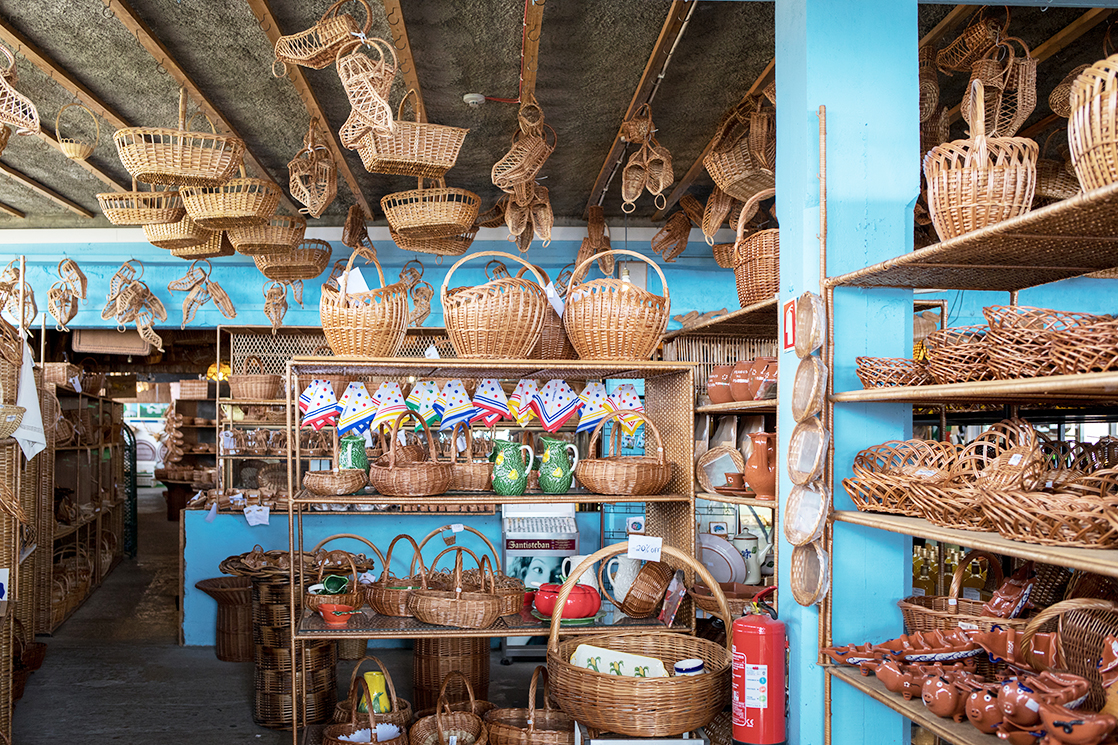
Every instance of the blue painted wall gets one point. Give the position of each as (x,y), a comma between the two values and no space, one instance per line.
(964,308)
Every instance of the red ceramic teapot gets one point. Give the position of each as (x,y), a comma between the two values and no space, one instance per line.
(583,602)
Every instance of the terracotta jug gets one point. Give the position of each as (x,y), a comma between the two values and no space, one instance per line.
(718,384)
(760,469)
(764,368)
(740,380)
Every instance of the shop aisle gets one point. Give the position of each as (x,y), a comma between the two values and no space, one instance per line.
(114,670)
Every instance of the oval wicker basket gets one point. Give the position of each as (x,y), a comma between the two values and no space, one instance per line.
(235,203)
(632,475)
(142,207)
(388,596)
(884,473)
(641,707)
(414,149)
(259,386)
(1079,513)
(958,354)
(732,162)
(400,710)
(177,235)
(1093,125)
(216,244)
(354,597)
(470,475)
(334,483)
(453,245)
(611,319)
(1020,338)
(1086,349)
(418,478)
(457,607)
(644,596)
(11,417)
(509,589)
(1085,625)
(500,319)
(887,372)
(431,213)
(281,234)
(364,324)
(306,261)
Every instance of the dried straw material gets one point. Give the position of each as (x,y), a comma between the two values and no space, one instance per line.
(632,475)
(1093,126)
(5,135)
(394,476)
(1059,100)
(887,372)
(939,613)
(237,202)
(757,259)
(254,385)
(317,46)
(306,261)
(413,148)
(72,148)
(1086,349)
(500,319)
(714,214)
(884,473)
(455,606)
(175,235)
(980,181)
(611,319)
(364,324)
(141,207)
(1019,338)
(16,110)
(280,234)
(958,355)
(431,213)
(368,80)
(531,726)
(313,175)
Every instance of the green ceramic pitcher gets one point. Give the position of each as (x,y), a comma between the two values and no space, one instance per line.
(511,462)
(556,469)
(351,453)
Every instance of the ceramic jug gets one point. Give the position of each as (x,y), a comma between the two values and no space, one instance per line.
(622,571)
(760,469)
(718,384)
(588,578)
(753,551)
(764,369)
(740,380)
(510,467)
(556,469)
(351,453)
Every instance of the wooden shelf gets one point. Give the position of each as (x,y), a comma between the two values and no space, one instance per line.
(65,530)
(739,407)
(1087,388)
(757,321)
(249,402)
(1091,560)
(501,369)
(946,729)
(476,497)
(269,457)
(1063,240)
(769,504)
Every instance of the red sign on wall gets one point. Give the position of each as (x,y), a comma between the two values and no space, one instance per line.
(790,325)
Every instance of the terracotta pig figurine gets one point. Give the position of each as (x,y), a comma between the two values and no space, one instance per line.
(946,695)
(1019,700)
(982,709)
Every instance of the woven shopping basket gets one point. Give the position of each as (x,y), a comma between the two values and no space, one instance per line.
(431,213)
(1093,126)
(316,47)
(458,607)
(531,726)
(611,319)
(500,319)
(280,234)
(399,711)
(756,256)
(254,385)
(388,596)
(461,721)
(364,324)
(412,148)
(306,261)
(732,162)
(553,343)
(509,589)
(237,202)
(980,181)
(633,475)
(341,734)
(641,707)
(391,476)
(141,207)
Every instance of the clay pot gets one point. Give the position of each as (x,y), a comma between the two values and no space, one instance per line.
(982,709)
(760,469)
(718,384)
(741,379)
(764,368)
(1067,727)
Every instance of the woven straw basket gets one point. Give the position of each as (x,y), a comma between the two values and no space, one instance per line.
(413,149)
(756,256)
(177,235)
(353,597)
(1084,626)
(393,476)
(235,203)
(468,475)
(388,596)
(500,319)
(306,261)
(733,161)
(1093,126)
(531,726)
(633,475)
(458,607)
(461,721)
(400,710)
(142,207)
(359,689)
(258,386)
(431,213)
(610,319)
(366,324)
(641,707)
(453,245)
(281,234)
(316,46)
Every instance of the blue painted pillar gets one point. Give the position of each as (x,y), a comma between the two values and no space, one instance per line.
(859,60)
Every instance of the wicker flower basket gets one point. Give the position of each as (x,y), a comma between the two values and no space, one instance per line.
(632,475)
(280,235)
(388,596)
(316,47)
(460,721)
(365,324)
(980,181)
(610,319)
(141,207)
(235,203)
(500,319)
(417,478)
(334,483)
(469,475)
(1093,126)
(352,598)
(531,726)
(413,149)
(457,607)
(333,733)
(431,213)
(884,473)
(400,710)
(756,256)
(258,386)
(306,261)
(641,707)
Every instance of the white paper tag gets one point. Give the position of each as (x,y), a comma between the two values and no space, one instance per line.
(354,282)
(236,498)
(76,383)
(967,626)
(554,299)
(925,472)
(971,593)
(211,515)
(453,740)
(1015,459)
(401,437)
(4,583)
(228,441)
(431,353)
(461,444)
(256,515)
(457,528)
(199,495)
(645,547)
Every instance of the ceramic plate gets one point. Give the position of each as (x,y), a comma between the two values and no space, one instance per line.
(609,662)
(721,558)
(589,621)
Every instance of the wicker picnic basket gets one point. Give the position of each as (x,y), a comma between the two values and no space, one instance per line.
(936,613)
(279,235)
(177,235)
(500,319)
(1084,349)
(531,726)
(470,475)
(1093,126)
(313,174)
(141,207)
(887,372)
(400,710)
(365,324)
(416,148)
(633,475)
(756,256)
(732,161)
(958,354)
(647,591)
(1084,626)
(353,597)
(979,181)
(237,202)
(641,707)
(393,477)
(1019,339)
(179,157)
(883,474)
(431,213)
(458,607)
(460,722)
(388,596)
(259,385)
(306,261)
(509,589)
(343,733)
(611,319)
(334,483)
(316,47)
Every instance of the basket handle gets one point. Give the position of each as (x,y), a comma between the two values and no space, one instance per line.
(978,104)
(343,281)
(501,254)
(354,536)
(333,11)
(992,564)
(386,575)
(617,549)
(469,434)
(94,368)
(415,106)
(469,690)
(396,428)
(750,209)
(1054,611)
(96,122)
(457,559)
(546,278)
(617,415)
(368,695)
(540,671)
(576,275)
(437,531)
(190,121)
(329,559)
(387,681)
(252,358)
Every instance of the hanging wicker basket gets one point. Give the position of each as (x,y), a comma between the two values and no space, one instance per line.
(1093,126)
(757,256)
(611,319)
(236,203)
(524,159)
(72,148)
(313,175)
(306,261)
(732,161)
(454,245)
(368,80)
(614,473)
(142,207)
(177,235)
(393,476)
(16,110)
(216,244)
(281,234)
(431,213)
(414,148)
(553,343)
(255,385)
(365,324)
(500,319)
(317,46)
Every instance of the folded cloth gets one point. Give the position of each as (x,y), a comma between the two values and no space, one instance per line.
(593,410)
(30,435)
(490,403)
(389,403)
(306,396)
(358,409)
(422,400)
(554,404)
(625,398)
(455,404)
(323,408)
(520,404)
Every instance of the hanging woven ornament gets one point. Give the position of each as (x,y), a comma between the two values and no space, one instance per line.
(977,38)
(313,174)
(355,233)
(714,214)
(317,46)
(660,172)
(198,296)
(72,148)
(16,110)
(197,273)
(529,151)
(543,219)
(693,209)
(671,240)
(1059,100)
(367,81)
(411,273)
(9,297)
(296,286)
(638,128)
(62,304)
(421,296)
(275,303)
(70,273)
(634,178)
(929,82)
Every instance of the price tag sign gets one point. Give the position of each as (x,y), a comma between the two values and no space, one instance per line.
(645,547)
(553,298)
(431,353)
(212,514)
(457,527)
(76,384)
(256,515)
(4,583)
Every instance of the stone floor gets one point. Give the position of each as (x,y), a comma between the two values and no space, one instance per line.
(114,671)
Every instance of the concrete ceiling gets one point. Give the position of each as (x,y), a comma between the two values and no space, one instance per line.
(591,56)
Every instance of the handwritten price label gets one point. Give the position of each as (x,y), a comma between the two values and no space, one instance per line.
(645,547)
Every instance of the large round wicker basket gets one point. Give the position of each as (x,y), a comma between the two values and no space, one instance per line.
(364,324)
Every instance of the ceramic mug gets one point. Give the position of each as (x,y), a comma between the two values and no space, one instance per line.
(735,480)
(588,578)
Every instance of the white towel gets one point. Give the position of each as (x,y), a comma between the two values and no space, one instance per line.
(30,434)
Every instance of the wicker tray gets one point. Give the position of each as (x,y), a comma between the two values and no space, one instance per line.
(883,474)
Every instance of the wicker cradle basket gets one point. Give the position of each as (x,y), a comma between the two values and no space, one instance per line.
(141,207)
(610,319)
(392,476)
(279,235)
(641,707)
(366,324)
(431,213)
(633,475)
(306,261)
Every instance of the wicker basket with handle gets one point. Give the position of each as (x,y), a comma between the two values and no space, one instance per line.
(340,734)
(531,726)
(400,711)
(316,47)
(237,202)
(461,721)
(353,597)
(257,385)
(731,161)
(647,591)
(756,256)
(394,477)
(388,596)
(413,148)
(641,707)
(611,319)
(553,343)
(1093,126)
(470,475)
(365,324)
(1084,625)
(457,606)
(509,589)
(431,212)
(142,207)
(632,475)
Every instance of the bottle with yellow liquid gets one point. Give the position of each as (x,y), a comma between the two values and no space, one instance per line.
(924,584)
(974,580)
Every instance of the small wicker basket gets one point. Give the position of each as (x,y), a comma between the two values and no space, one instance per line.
(1020,338)
(354,597)
(393,477)
(1086,349)
(280,235)
(461,721)
(958,354)
(883,474)
(413,149)
(471,475)
(646,593)
(632,475)
(388,596)
(334,483)
(887,372)
(177,235)
(756,256)
(340,734)
(457,607)
(306,261)
(142,207)
(531,726)
(258,386)
(934,613)
(400,710)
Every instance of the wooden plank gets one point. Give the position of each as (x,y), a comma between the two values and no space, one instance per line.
(957,15)
(696,168)
(135,26)
(529,64)
(7,209)
(673,27)
(38,188)
(85,165)
(263,13)
(1049,121)
(406,59)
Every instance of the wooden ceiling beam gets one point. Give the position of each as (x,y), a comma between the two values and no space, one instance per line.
(263,12)
(956,16)
(136,26)
(670,32)
(1034,129)
(406,60)
(8,209)
(696,168)
(85,165)
(530,63)
(44,191)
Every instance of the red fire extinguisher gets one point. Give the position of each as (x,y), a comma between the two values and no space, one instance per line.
(759,645)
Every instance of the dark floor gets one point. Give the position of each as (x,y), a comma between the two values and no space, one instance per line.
(114,671)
